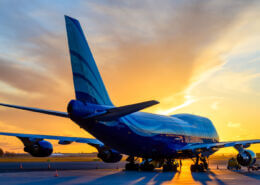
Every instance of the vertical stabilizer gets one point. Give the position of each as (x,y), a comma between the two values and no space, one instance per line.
(88,83)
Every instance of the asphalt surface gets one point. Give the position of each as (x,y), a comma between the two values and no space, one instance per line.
(111,174)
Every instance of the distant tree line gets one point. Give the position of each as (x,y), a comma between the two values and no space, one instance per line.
(1,152)
(7,154)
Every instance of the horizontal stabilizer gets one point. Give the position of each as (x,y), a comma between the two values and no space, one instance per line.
(50,112)
(117,112)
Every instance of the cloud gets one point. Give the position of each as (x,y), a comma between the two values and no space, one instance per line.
(153,53)
(158,54)
(7,142)
(215,105)
(25,78)
(189,101)
(32,48)
(4,127)
(144,50)
(227,81)
(233,125)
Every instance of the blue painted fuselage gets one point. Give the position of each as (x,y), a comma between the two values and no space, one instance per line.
(152,136)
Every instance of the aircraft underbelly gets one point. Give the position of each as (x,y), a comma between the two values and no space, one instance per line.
(131,141)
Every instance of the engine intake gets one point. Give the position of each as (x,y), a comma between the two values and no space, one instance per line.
(109,155)
(39,149)
(246,158)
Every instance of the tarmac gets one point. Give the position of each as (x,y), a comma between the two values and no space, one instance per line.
(111,174)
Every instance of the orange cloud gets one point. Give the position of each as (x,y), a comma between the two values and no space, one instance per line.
(145,50)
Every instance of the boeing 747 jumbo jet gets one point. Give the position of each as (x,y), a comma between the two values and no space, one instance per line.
(157,139)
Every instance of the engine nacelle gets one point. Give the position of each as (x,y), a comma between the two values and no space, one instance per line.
(77,109)
(39,149)
(109,155)
(246,158)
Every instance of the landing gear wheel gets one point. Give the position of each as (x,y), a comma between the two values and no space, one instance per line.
(193,168)
(201,167)
(197,168)
(170,165)
(204,163)
(169,168)
(146,167)
(132,167)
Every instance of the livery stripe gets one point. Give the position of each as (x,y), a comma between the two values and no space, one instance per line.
(82,96)
(89,82)
(76,54)
(76,23)
(105,95)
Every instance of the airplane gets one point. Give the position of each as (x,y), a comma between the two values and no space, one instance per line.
(157,139)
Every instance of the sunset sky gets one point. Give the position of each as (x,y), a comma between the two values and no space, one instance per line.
(200,57)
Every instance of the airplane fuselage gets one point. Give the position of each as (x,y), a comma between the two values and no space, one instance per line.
(150,135)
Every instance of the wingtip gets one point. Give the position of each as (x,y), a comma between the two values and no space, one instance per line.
(154,102)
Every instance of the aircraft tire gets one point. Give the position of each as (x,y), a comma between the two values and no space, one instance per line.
(197,168)
(132,167)
(169,168)
(147,167)
(192,168)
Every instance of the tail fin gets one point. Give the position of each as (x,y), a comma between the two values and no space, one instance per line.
(88,83)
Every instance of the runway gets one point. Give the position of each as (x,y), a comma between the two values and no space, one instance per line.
(111,174)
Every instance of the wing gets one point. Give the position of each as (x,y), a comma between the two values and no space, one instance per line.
(208,146)
(107,115)
(50,112)
(62,139)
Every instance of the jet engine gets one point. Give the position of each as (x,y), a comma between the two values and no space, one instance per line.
(109,155)
(39,149)
(246,158)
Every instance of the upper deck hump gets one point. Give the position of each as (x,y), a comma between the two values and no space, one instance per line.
(180,124)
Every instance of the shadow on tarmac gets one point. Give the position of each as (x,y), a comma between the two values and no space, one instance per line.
(136,178)
(50,181)
(250,174)
(205,177)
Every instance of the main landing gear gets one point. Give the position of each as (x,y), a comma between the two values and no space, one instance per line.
(170,165)
(199,167)
(149,165)
(131,166)
(146,165)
